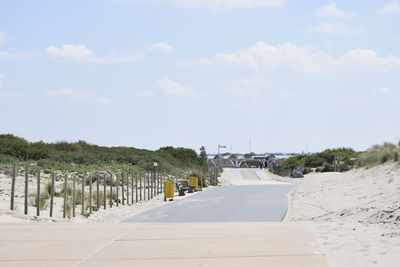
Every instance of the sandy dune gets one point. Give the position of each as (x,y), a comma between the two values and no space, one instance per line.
(355,215)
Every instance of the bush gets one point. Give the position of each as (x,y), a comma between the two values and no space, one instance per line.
(81,157)
(322,161)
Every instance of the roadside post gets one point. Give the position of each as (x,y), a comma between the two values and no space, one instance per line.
(38,194)
(26,190)
(155,165)
(13,186)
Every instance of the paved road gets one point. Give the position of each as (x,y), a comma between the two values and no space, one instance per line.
(207,241)
(244,203)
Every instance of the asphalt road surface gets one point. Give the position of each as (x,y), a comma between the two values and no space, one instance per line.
(257,202)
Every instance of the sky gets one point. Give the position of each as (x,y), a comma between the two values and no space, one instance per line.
(290,76)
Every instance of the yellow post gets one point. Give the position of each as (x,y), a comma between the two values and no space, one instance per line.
(169,191)
(194,181)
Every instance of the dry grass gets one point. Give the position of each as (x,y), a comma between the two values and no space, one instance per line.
(379,154)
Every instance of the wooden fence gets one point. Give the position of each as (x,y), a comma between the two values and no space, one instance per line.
(116,189)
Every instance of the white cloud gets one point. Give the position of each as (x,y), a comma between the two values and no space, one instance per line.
(285,94)
(391,8)
(80,95)
(382,90)
(337,28)
(331,10)
(2,77)
(72,52)
(81,53)
(172,88)
(247,87)
(161,47)
(263,58)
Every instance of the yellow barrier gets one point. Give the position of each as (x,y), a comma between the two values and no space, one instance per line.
(169,191)
(194,181)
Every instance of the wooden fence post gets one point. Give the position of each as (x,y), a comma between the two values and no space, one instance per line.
(13,186)
(140,177)
(144,186)
(151,184)
(158,181)
(83,195)
(132,201)
(148,186)
(111,190)
(52,194)
(90,194)
(26,191)
(127,188)
(117,190)
(123,189)
(97,192)
(38,195)
(73,196)
(65,195)
(136,189)
(161,182)
(105,191)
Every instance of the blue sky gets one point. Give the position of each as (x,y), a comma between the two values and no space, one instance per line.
(282,73)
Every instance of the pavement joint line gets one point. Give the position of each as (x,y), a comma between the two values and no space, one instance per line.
(214,257)
(104,246)
(40,260)
(52,240)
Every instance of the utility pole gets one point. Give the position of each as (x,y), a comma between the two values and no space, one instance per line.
(219,146)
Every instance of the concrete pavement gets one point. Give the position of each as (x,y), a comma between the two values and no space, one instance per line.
(240,240)
(160,244)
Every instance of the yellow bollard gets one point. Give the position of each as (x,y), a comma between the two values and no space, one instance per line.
(169,191)
(194,181)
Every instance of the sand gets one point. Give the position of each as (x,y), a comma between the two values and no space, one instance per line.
(355,215)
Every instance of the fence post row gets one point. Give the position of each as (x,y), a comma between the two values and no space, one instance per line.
(152,182)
